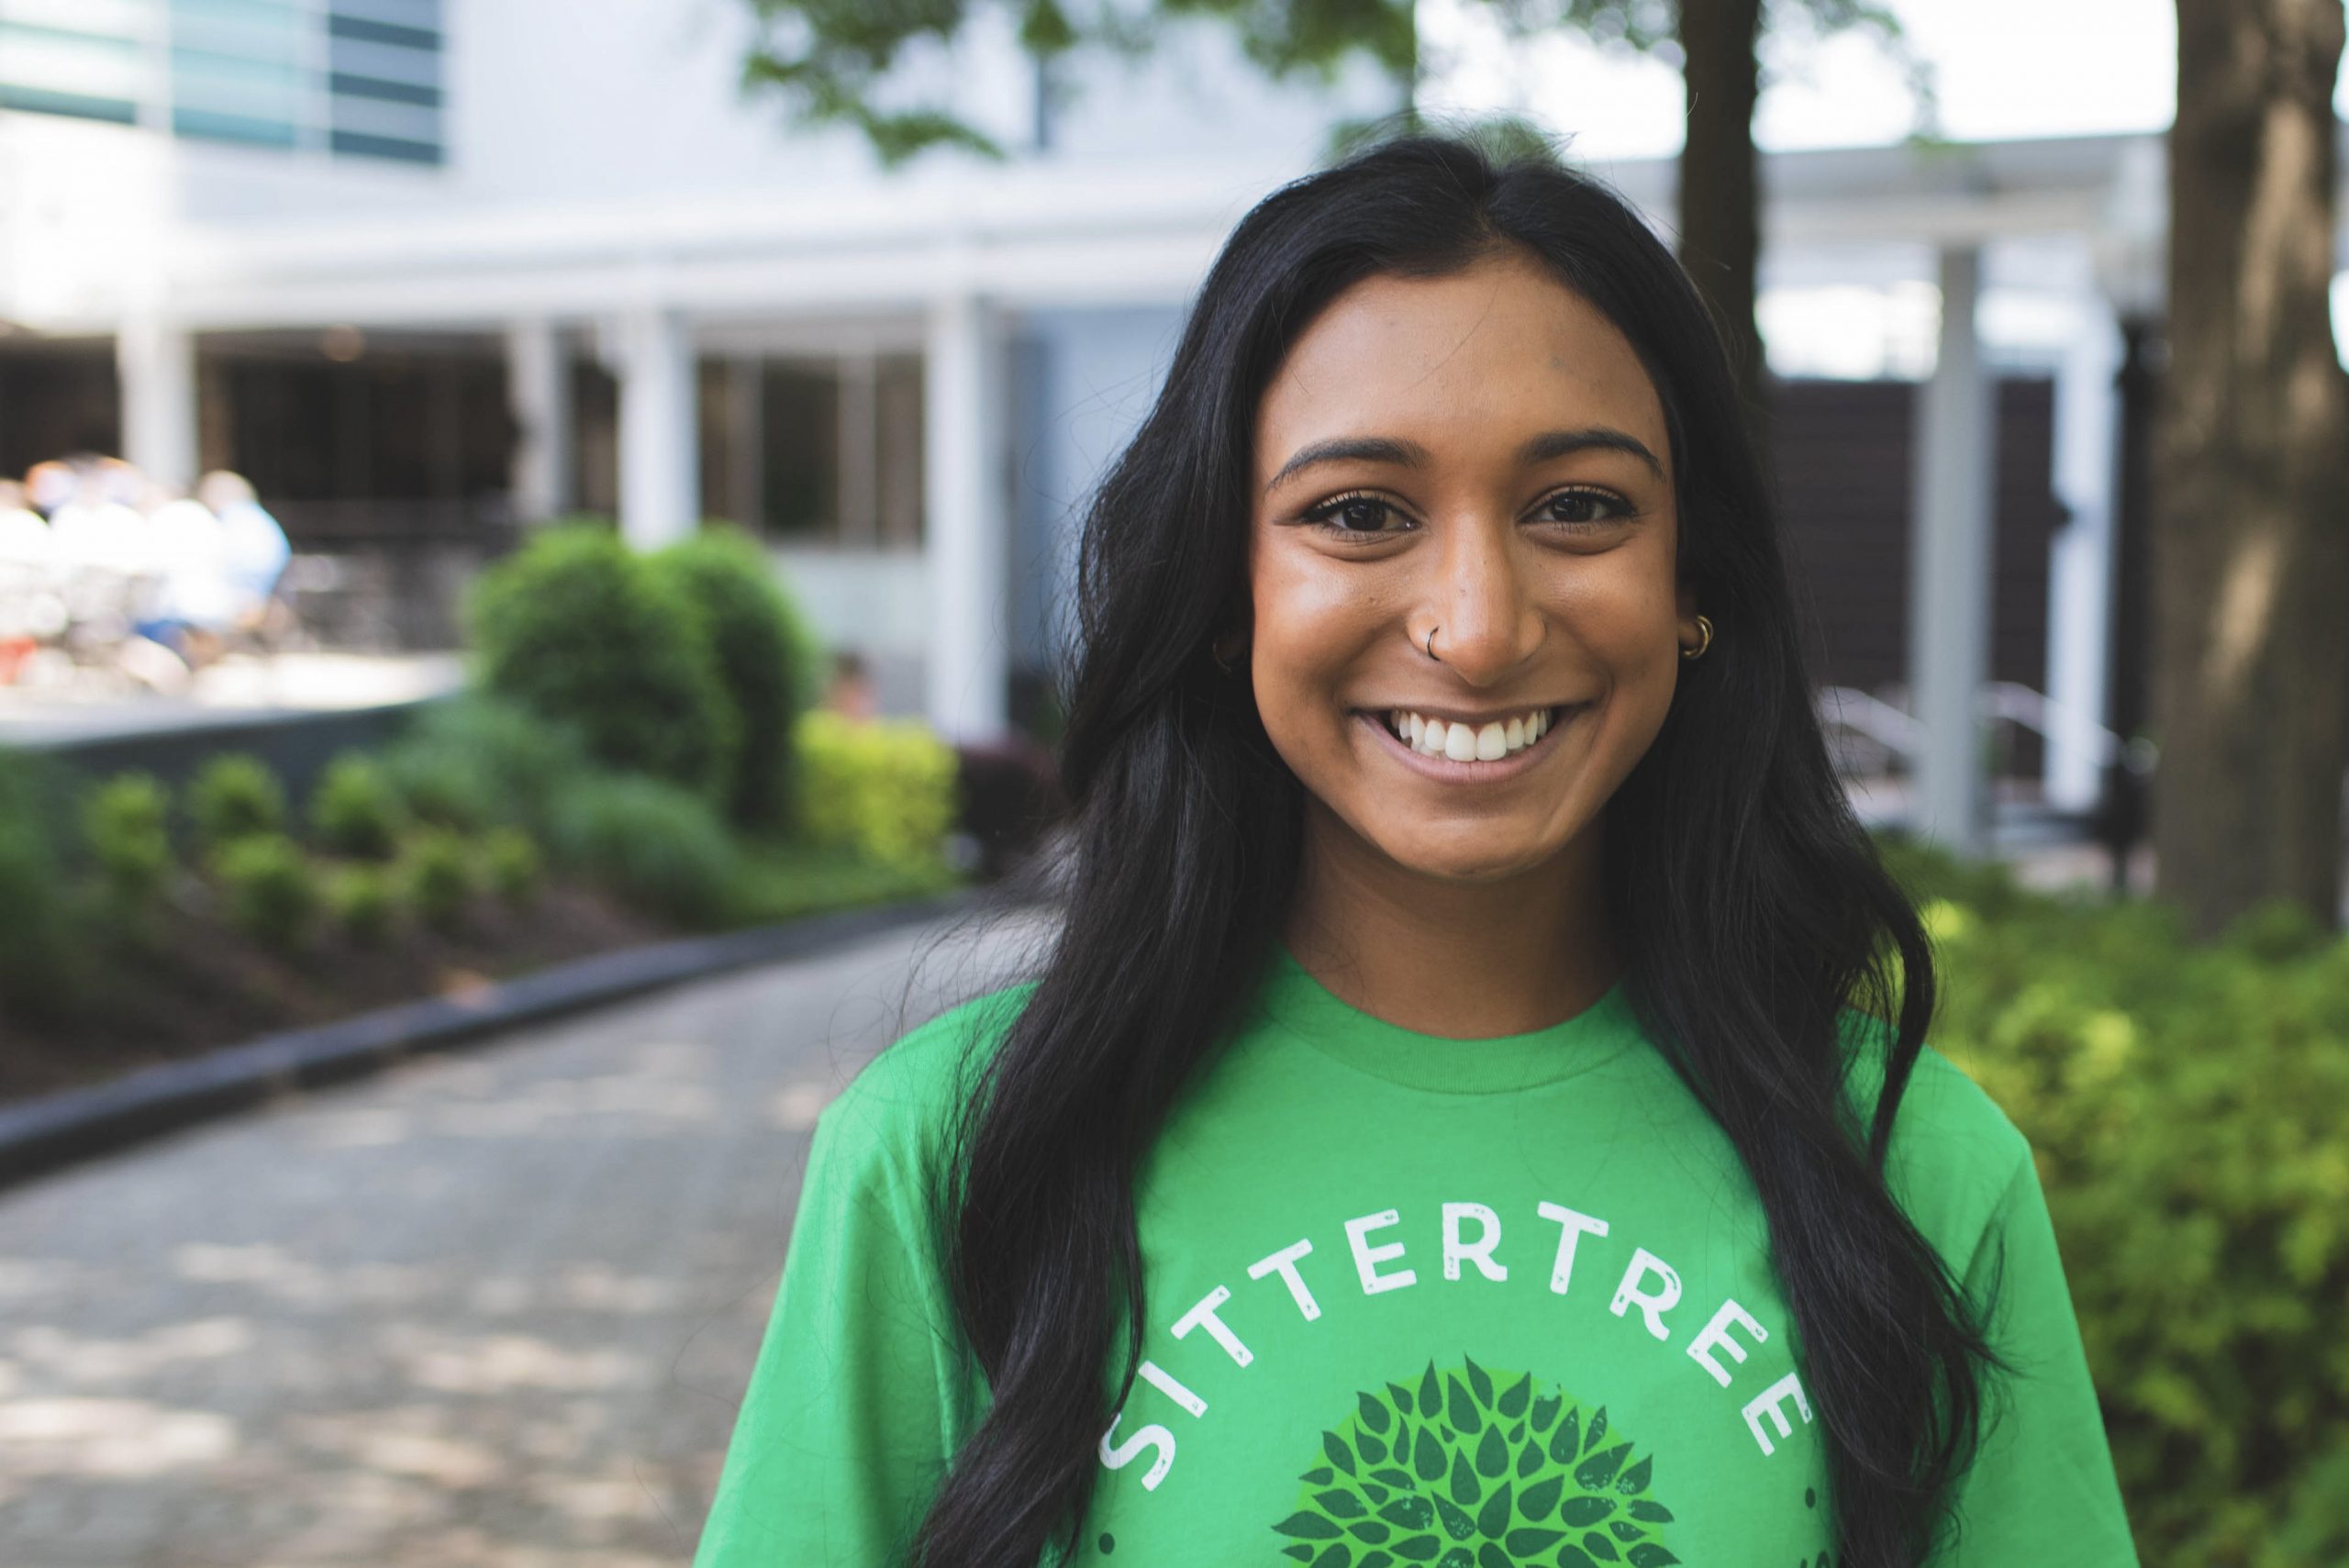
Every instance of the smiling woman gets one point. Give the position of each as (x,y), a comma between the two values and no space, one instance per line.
(1470,962)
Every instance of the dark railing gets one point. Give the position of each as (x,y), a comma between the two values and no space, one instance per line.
(388,575)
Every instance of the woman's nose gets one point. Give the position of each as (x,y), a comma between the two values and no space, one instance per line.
(1481,603)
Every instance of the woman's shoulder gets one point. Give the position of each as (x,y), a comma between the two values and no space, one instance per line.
(1955,1151)
(902,1100)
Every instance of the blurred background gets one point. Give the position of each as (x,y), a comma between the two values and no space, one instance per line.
(493,489)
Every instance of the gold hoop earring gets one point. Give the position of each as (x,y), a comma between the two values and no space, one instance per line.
(1705,632)
(1227,665)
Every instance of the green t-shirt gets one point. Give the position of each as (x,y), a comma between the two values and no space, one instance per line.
(1412,1300)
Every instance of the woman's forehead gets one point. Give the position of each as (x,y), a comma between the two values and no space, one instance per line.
(1497,346)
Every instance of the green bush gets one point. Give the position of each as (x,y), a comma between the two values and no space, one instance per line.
(769,660)
(234,795)
(364,901)
(355,809)
(437,871)
(476,761)
(2187,1106)
(576,628)
(126,820)
(45,935)
(886,788)
(513,866)
(654,846)
(269,888)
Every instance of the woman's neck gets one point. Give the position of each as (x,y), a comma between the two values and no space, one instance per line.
(1465,961)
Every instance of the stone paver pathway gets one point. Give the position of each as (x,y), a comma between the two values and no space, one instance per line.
(494,1308)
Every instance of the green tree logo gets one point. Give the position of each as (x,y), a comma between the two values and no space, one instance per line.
(1470,1470)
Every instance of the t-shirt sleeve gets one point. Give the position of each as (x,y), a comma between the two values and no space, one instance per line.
(2041,1489)
(851,1411)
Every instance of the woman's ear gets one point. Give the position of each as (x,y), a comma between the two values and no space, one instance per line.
(1227,646)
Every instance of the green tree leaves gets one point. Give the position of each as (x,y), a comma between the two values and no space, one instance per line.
(1470,1468)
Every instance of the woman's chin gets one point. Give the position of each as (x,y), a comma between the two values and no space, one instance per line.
(1466,864)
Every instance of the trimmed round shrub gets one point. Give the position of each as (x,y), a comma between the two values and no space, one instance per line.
(769,660)
(355,809)
(652,845)
(364,902)
(269,888)
(234,795)
(127,821)
(513,866)
(886,788)
(439,874)
(574,627)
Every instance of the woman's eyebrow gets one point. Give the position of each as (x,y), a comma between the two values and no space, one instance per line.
(1411,454)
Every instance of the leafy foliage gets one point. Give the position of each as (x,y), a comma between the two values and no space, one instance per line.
(235,795)
(512,866)
(476,761)
(269,890)
(830,60)
(1475,1468)
(575,628)
(44,932)
(128,822)
(364,900)
(2185,1103)
(887,787)
(438,869)
(356,810)
(652,844)
(768,660)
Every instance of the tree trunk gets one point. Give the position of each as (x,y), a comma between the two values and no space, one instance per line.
(1721,200)
(2250,545)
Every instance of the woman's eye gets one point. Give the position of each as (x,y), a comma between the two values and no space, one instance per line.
(1583,508)
(1352,514)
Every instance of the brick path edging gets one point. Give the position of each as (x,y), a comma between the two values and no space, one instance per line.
(40,1134)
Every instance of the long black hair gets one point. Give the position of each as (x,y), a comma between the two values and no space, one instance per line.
(1747,898)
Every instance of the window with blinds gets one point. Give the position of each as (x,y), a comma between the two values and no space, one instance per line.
(349,77)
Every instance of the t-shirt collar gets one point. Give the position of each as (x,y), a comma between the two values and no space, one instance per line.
(1293,1002)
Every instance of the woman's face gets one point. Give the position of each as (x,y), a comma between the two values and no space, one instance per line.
(1483,455)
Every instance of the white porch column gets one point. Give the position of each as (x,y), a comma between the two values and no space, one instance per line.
(1949,575)
(538,382)
(155,359)
(2080,563)
(660,454)
(967,544)
(859,497)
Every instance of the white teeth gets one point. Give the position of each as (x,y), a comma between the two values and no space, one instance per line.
(1467,743)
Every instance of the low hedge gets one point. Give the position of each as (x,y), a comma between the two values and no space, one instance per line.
(887,788)
(2186,1106)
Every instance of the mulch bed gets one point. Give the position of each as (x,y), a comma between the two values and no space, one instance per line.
(198,985)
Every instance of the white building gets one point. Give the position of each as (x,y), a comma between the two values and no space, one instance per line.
(210,210)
